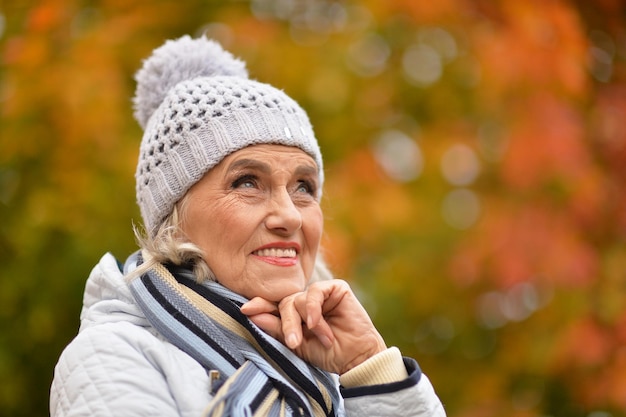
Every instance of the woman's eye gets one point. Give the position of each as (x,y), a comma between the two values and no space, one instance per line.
(245,181)
(306,187)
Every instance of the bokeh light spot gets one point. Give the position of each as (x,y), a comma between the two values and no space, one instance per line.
(2,25)
(460,165)
(422,65)
(497,308)
(441,40)
(368,56)
(461,208)
(398,155)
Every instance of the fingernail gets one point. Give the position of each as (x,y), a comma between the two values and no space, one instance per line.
(291,340)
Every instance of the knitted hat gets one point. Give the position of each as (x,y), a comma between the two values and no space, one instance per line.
(197,105)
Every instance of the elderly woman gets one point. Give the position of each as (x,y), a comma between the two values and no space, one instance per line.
(227,309)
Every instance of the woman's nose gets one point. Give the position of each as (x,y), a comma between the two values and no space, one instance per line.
(283,216)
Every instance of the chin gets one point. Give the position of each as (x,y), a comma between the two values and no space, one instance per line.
(280,290)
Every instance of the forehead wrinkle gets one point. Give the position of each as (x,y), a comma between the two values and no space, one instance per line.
(301,170)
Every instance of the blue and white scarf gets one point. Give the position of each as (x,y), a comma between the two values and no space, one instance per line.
(258,375)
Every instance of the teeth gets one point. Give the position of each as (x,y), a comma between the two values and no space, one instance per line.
(277,253)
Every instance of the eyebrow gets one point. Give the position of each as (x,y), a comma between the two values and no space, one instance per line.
(305,170)
(249,163)
(301,170)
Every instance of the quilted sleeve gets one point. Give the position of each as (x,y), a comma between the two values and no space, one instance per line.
(121,369)
(411,397)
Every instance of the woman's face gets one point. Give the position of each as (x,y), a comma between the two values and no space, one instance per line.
(257,219)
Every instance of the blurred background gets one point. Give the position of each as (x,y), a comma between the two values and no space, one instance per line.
(475,157)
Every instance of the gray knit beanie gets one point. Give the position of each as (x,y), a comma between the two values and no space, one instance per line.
(197,105)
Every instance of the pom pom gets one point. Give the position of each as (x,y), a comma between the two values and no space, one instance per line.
(176,61)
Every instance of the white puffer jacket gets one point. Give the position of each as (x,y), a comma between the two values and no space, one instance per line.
(119,365)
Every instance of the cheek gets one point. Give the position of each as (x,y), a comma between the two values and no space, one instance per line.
(228,228)
(205,223)
(314,226)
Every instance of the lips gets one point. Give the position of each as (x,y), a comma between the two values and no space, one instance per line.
(279,253)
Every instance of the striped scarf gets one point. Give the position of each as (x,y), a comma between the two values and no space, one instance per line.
(258,376)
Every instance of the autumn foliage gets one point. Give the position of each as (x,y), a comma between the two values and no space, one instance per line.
(475,158)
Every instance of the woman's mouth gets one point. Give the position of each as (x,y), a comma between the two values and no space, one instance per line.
(276,253)
(277,256)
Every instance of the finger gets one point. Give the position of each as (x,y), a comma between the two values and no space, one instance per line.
(330,293)
(270,324)
(291,322)
(314,303)
(264,314)
(259,305)
(324,333)
(311,306)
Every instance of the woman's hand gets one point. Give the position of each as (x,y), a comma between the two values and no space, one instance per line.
(325,325)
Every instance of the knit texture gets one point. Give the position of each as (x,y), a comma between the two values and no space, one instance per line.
(257,375)
(197,106)
(383,368)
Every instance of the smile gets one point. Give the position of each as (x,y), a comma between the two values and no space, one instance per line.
(276,253)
